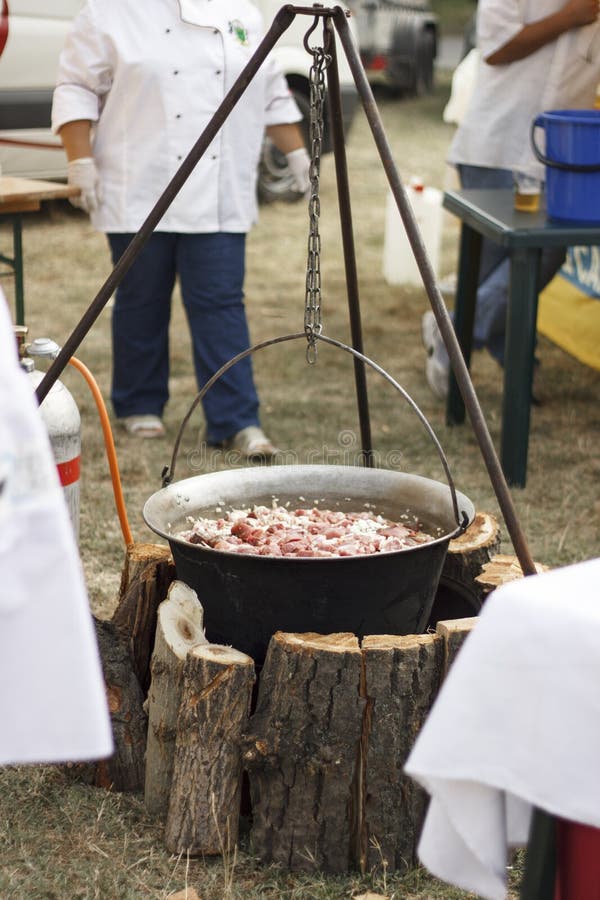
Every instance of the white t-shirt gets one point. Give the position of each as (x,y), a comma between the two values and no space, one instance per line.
(561,75)
(151,80)
(52,698)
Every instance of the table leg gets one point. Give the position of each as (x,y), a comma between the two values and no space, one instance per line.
(539,877)
(518,362)
(18,267)
(464,314)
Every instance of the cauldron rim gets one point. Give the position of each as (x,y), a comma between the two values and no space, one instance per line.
(466,507)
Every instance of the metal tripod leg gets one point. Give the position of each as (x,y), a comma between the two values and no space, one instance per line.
(341,170)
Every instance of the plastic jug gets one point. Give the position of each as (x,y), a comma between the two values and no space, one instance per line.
(399,264)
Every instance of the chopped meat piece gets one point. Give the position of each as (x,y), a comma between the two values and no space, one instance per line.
(303,533)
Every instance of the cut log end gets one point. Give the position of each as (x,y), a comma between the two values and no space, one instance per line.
(181,619)
(221,654)
(340,642)
(394,641)
(501,569)
(456,626)
(483,532)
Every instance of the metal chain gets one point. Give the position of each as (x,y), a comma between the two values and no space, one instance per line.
(312,311)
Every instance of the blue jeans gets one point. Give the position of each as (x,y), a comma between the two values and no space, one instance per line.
(211,271)
(489,330)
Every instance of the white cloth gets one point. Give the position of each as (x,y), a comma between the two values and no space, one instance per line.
(461,91)
(151,79)
(561,75)
(516,724)
(52,698)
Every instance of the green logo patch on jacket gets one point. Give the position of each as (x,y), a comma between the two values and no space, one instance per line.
(236,28)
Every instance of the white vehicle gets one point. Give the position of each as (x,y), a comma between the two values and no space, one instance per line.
(398,43)
(32,34)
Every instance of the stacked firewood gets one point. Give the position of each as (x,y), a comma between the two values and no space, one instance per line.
(319,736)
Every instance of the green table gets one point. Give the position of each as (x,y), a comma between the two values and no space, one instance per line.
(491,214)
(18,196)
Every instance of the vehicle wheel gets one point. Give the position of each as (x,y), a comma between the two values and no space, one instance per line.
(424,72)
(274,178)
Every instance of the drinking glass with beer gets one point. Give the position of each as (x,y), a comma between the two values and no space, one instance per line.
(527,192)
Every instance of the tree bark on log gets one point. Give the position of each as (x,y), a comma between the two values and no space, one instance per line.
(148,571)
(453,633)
(124,770)
(500,570)
(402,677)
(468,553)
(204,804)
(301,751)
(179,628)
(458,594)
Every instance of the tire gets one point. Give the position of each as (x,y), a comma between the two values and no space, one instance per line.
(424,67)
(274,178)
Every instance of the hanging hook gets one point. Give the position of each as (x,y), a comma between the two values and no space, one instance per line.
(308,34)
(327,37)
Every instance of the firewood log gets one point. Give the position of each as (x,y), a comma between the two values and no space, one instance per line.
(124,770)
(301,751)
(179,628)
(147,573)
(204,803)
(500,570)
(459,594)
(401,679)
(453,633)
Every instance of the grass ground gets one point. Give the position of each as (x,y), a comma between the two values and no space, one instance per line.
(453,15)
(59,839)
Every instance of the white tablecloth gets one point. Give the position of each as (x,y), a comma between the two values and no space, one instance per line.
(53,704)
(516,724)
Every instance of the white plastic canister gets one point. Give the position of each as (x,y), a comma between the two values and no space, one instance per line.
(63,423)
(399,264)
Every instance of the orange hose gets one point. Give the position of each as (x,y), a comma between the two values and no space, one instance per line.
(110,448)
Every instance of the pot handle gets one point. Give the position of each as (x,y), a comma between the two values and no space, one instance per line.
(538,122)
(168,473)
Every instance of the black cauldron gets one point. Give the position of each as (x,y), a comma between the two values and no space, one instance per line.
(246,598)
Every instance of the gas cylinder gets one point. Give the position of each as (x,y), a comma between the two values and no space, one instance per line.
(63,424)
(399,264)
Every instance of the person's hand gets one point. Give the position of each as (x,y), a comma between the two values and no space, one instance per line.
(82,173)
(581,12)
(299,164)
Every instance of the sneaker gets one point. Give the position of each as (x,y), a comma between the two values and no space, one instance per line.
(437,364)
(252,443)
(143,426)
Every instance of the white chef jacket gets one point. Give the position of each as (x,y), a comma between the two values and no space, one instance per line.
(561,75)
(150,76)
(52,698)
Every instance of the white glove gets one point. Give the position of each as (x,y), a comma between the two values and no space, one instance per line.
(299,164)
(82,173)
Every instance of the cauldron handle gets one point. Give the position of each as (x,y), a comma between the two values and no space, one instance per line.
(168,473)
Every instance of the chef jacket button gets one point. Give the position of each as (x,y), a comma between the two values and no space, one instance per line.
(167,31)
(218,72)
(215,30)
(214,156)
(175,71)
(178,116)
(179,156)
